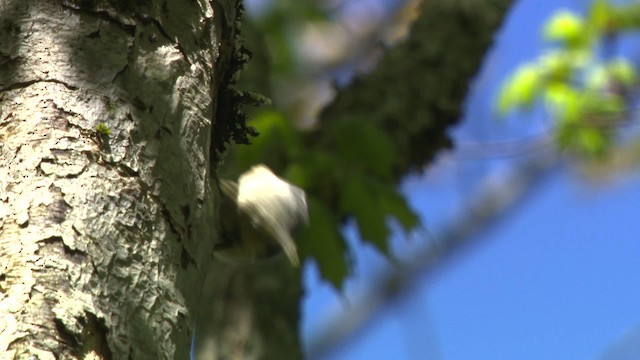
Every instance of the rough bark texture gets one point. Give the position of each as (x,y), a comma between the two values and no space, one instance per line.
(102,235)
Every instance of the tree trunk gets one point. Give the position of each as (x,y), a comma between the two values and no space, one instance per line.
(250,312)
(107,218)
(106,212)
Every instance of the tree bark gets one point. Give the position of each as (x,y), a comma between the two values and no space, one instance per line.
(250,312)
(107,218)
(106,209)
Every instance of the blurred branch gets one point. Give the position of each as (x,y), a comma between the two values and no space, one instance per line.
(626,348)
(417,89)
(495,200)
(504,148)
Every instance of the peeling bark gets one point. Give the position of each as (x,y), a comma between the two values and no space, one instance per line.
(102,235)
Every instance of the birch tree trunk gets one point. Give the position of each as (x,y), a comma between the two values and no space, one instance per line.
(103,233)
(107,218)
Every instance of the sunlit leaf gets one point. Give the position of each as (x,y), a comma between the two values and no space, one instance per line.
(563,101)
(585,94)
(596,78)
(567,27)
(559,65)
(521,89)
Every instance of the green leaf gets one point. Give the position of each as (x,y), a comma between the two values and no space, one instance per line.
(590,140)
(600,15)
(622,71)
(601,104)
(566,27)
(322,241)
(364,146)
(563,101)
(373,204)
(560,65)
(521,89)
(609,105)
(312,171)
(399,208)
(625,17)
(360,196)
(597,79)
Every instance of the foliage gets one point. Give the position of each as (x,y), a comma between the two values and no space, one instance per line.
(584,88)
(380,126)
(350,178)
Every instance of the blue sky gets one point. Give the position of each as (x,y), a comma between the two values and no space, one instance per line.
(555,279)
